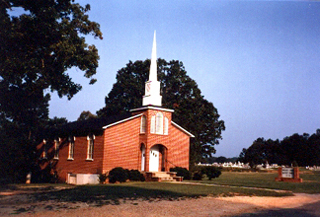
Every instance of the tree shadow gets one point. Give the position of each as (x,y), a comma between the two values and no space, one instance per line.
(110,194)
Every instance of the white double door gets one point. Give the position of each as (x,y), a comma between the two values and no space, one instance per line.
(154,159)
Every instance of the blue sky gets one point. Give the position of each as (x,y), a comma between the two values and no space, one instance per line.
(258,62)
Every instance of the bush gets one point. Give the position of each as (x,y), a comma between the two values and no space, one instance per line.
(118,174)
(211,172)
(181,172)
(102,178)
(197,176)
(135,175)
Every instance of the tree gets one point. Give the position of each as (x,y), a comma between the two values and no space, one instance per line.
(37,48)
(255,154)
(179,92)
(86,115)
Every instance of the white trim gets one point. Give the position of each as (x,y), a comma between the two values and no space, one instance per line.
(124,120)
(151,107)
(191,135)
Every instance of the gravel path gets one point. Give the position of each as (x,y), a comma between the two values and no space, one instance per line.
(205,206)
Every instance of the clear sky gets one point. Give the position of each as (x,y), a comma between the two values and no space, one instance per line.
(258,62)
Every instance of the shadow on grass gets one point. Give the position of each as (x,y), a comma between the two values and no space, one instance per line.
(110,194)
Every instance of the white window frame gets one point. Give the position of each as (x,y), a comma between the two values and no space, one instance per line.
(159,123)
(166,126)
(153,124)
(56,149)
(90,148)
(71,140)
(45,150)
(143,124)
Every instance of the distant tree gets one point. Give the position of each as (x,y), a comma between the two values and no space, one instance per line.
(256,154)
(221,159)
(179,92)
(37,47)
(86,115)
(302,150)
(314,149)
(296,149)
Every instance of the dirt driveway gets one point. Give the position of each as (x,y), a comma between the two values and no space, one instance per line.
(306,204)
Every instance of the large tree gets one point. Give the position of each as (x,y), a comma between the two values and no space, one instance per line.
(37,47)
(179,92)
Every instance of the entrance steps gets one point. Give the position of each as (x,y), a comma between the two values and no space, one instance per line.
(162,176)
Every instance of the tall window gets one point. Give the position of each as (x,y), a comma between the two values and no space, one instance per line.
(45,149)
(166,126)
(90,147)
(71,147)
(56,149)
(159,123)
(153,124)
(143,124)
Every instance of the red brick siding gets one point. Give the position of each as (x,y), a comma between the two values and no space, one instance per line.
(122,147)
(176,142)
(79,164)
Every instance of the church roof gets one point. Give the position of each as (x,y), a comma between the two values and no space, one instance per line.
(84,127)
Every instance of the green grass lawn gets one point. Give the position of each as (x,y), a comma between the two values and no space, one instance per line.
(310,184)
(229,184)
(150,191)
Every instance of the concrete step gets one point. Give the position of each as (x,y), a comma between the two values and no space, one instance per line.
(163,176)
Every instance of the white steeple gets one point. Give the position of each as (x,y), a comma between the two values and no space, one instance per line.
(152,87)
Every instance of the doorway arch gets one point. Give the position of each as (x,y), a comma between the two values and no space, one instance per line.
(158,158)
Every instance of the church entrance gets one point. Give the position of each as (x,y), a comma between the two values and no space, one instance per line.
(158,158)
(154,159)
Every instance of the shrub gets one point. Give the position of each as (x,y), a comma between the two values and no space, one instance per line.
(181,172)
(211,172)
(135,175)
(102,178)
(118,174)
(197,176)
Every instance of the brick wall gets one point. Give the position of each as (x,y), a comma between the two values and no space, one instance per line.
(122,147)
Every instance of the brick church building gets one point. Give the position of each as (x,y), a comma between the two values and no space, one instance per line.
(146,140)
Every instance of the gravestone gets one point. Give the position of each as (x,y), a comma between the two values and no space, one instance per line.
(288,174)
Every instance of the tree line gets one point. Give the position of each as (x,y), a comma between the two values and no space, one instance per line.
(297,150)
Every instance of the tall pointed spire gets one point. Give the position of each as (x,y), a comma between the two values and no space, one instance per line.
(152,87)
(153,66)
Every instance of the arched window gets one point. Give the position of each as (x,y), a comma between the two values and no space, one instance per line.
(90,139)
(56,148)
(166,126)
(159,123)
(153,124)
(143,124)
(71,140)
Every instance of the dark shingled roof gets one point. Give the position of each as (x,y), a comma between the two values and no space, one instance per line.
(85,127)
